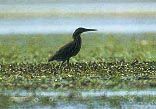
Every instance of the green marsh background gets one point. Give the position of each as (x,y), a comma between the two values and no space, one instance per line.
(115,68)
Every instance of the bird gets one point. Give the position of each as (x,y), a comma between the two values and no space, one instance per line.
(70,49)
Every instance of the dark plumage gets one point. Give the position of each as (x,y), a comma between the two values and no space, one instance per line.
(70,49)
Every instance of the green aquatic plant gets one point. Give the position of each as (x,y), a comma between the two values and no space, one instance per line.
(80,75)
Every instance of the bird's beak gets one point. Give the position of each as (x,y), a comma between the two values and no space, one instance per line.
(90,30)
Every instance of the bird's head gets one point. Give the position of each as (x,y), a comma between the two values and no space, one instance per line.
(80,30)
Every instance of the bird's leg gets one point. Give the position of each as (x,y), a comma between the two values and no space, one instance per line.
(68,64)
(62,64)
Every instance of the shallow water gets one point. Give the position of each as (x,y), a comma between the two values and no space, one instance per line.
(95,99)
(90,93)
(64,17)
(63,25)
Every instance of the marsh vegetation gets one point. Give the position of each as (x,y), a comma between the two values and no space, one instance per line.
(105,62)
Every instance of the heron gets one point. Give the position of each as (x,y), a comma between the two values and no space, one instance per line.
(70,49)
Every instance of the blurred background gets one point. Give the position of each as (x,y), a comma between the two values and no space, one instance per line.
(32,30)
(64,16)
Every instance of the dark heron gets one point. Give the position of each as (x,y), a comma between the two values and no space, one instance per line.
(70,49)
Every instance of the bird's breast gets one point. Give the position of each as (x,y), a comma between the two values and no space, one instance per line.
(77,47)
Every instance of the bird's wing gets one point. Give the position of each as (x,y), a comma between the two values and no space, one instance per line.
(64,52)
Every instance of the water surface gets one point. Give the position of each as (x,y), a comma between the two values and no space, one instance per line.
(95,99)
(65,17)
